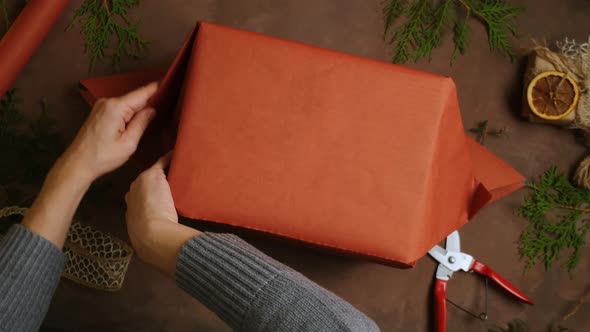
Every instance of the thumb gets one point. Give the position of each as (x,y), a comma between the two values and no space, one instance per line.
(137,99)
(138,124)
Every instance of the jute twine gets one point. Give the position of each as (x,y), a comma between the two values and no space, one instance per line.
(573,59)
(95,259)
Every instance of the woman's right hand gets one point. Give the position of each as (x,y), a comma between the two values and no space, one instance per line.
(152,221)
(112,131)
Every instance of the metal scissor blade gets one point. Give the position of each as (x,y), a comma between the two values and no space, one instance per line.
(438,253)
(443,273)
(454,242)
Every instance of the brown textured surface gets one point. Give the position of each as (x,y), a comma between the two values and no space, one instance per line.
(398,300)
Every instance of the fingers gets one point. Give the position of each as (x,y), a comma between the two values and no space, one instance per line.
(156,169)
(138,124)
(137,100)
(163,162)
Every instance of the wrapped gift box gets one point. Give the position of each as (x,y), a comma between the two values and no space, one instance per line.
(335,150)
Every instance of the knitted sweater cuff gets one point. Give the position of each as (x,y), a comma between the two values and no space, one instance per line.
(224,273)
(30,269)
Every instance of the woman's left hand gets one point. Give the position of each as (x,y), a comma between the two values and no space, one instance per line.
(112,131)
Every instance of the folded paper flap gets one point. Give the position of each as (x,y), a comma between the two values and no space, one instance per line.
(481,197)
(167,97)
(161,134)
(117,85)
(153,141)
(497,177)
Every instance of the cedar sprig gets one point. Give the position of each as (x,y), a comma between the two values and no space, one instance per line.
(30,145)
(29,148)
(429,20)
(391,12)
(557,212)
(462,34)
(518,325)
(8,11)
(483,130)
(5,17)
(105,21)
(10,116)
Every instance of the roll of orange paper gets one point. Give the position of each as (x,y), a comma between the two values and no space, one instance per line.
(24,36)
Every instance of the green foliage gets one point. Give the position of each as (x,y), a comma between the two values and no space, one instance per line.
(483,130)
(498,16)
(104,21)
(5,17)
(391,12)
(516,325)
(429,20)
(8,11)
(29,147)
(412,34)
(461,37)
(557,212)
(10,115)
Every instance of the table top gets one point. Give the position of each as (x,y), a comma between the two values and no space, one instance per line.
(489,88)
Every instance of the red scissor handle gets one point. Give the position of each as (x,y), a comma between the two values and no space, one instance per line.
(440,295)
(483,269)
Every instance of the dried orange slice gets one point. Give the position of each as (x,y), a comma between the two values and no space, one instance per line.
(552,95)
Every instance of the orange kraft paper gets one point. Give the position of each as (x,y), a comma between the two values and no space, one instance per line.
(339,151)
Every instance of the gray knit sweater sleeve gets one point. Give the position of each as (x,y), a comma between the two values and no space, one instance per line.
(30,268)
(252,292)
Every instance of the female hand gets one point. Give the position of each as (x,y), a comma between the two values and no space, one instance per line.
(112,131)
(107,139)
(152,221)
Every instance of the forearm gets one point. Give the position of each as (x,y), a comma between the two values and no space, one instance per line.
(31,261)
(252,292)
(162,244)
(51,214)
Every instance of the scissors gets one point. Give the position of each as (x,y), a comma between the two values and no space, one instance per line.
(450,260)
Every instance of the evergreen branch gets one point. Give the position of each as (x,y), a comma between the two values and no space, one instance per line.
(427,22)
(8,10)
(497,10)
(411,34)
(105,20)
(497,15)
(550,232)
(498,39)
(482,130)
(442,19)
(5,13)
(461,37)
(573,208)
(30,146)
(391,12)
(516,325)
(10,117)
